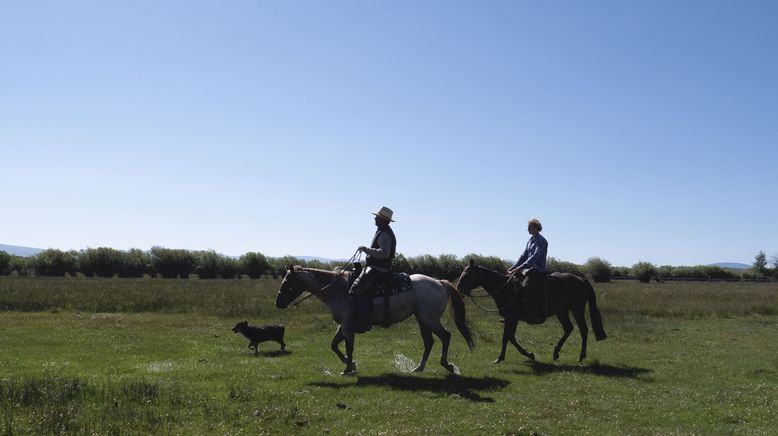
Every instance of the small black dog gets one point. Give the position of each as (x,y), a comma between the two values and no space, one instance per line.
(260,334)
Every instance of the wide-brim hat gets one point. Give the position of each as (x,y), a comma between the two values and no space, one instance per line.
(385,213)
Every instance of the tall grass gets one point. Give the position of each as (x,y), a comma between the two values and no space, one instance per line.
(256,297)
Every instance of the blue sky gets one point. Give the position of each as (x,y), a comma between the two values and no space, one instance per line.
(635,131)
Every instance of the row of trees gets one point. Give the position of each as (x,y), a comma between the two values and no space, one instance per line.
(171,263)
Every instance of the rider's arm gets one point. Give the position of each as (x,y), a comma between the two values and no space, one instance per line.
(522,258)
(384,244)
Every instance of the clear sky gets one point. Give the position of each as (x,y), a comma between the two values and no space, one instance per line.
(634,130)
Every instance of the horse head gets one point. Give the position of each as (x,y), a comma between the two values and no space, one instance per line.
(469,279)
(291,287)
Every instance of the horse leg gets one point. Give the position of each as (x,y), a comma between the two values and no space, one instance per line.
(515,343)
(426,335)
(445,339)
(564,319)
(351,366)
(508,330)
(580,320)
(335,345)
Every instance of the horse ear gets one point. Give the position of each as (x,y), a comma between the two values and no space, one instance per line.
(472,262)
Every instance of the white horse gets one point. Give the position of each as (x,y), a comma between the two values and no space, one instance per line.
(426,299)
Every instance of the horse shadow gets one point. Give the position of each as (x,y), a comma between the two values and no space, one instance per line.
(595,368)
(452,385)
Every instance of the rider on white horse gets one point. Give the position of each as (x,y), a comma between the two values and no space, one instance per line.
(378,264)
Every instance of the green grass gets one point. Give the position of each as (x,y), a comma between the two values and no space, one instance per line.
(675,362)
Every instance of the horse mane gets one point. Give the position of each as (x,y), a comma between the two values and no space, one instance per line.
(319,273)
(492,270)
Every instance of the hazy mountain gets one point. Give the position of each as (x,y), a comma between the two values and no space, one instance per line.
(20,251)
(732,265)
(320,259)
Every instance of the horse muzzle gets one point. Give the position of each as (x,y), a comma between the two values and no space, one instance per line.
(282,302)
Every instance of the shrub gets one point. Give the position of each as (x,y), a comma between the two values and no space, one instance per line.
(53,262)
(554,264)
(599,269)
(491,262)
(172,263)
(5,262)
(136,263)
(253,264)
(620,272)
(208,264)
(665,272)
(644,271)
(401,264)
(425,264)
(101,261)
(450,267)
(229,268)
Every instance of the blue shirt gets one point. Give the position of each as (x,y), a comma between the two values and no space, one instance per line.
(534,255)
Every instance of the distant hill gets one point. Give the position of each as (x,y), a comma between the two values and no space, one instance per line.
(20,251)
(320,259)
(732,265)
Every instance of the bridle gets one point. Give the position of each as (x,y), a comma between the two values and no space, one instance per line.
(357,255)
(299,300)
(510,303)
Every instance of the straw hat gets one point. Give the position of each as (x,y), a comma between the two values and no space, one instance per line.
(385,213)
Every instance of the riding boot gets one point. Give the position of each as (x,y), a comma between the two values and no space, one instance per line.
(535,302)
(363,311)
(353,309)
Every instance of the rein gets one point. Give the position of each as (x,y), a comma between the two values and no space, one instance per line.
(515,295)
(335,279)
(310,294)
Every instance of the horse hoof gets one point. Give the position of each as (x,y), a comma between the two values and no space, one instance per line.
(531,356)
(556,356)
(350,369)
(452,368)
(498,361)
(417,369)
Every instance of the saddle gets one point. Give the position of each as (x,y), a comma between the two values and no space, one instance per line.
(385,287)
(534,292)
(391,284)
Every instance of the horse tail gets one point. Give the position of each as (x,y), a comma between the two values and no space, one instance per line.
(594,313)
(458,312)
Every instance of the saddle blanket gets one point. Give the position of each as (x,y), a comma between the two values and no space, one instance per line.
(392,284)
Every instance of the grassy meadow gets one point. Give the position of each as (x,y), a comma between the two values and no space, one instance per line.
(140,356)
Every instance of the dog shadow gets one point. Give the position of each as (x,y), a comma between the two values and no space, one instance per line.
(276,353)
(452,385)
(595,368)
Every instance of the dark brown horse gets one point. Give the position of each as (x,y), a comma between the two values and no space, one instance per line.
(566,293)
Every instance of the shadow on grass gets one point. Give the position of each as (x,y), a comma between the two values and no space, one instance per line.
(595,368)
(276,353)
(464,387)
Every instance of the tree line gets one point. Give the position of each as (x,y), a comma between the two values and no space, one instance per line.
(178,263)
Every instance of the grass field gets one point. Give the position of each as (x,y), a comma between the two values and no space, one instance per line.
(124,356)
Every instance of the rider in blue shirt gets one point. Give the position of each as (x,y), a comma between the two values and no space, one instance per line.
(532,266)
(534,256)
